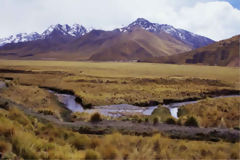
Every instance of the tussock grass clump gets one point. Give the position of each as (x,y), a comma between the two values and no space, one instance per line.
(91,155)
(86,117)
(96,117)
(80,116)
(4,105)
(171,120)
(5,147)
(80,142)
(108,151)
(155,120)
(20,117)
(191,121)
(162,113)
(46,112)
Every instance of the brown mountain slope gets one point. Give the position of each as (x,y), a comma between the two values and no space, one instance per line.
(138,44)
(222,53)
(98,45)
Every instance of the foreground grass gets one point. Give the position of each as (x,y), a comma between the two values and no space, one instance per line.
(115,83)
(25,137)
(220,112)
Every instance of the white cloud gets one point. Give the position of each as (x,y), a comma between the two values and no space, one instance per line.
(217,20)
(214,19)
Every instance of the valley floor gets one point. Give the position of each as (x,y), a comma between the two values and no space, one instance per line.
(123,83)
(107,83)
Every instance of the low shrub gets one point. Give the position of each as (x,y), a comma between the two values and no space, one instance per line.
(191,121)
(80,116)
(4,105)
(162,112)
(96,117)
(155,120)
(91,154)
(24,145)
(6,131)
(108,152)
(140,121)
(146,120)
(80,142)
(20,117)
(46,112)
(5,147)
(170,120)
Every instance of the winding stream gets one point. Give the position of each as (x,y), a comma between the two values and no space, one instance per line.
(109,110)
(122,109)
(118,109)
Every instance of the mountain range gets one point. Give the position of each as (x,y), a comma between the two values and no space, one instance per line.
(139,40)
(75,30)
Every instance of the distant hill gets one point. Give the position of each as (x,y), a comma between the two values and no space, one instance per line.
(138,44)
(139,40)
(222,53)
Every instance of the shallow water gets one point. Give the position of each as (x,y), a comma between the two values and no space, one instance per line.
(69,102)
(173,107)
(121,109)
(2,84)
(109,110)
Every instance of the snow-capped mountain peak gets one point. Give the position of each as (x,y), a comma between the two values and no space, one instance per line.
(78,30)
(187,37)
(20,37)
(75,30)
(151,27)
(58,27)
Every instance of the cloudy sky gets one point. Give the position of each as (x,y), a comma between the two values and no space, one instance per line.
(216,19)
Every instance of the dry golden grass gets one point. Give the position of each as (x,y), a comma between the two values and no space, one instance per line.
(35,98)
(86,117)
(36,140)
(220,112)
(114,83)
(141,70)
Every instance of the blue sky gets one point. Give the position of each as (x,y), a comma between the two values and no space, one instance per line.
(216,19)
(234,3)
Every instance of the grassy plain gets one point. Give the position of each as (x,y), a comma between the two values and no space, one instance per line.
(115,83)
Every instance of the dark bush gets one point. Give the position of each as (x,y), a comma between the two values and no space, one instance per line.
(4,105)
(46,112)
(191,121)
(96,117)
(5,147)
(155,120)
(139,120)
(146,120)
(170,120)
